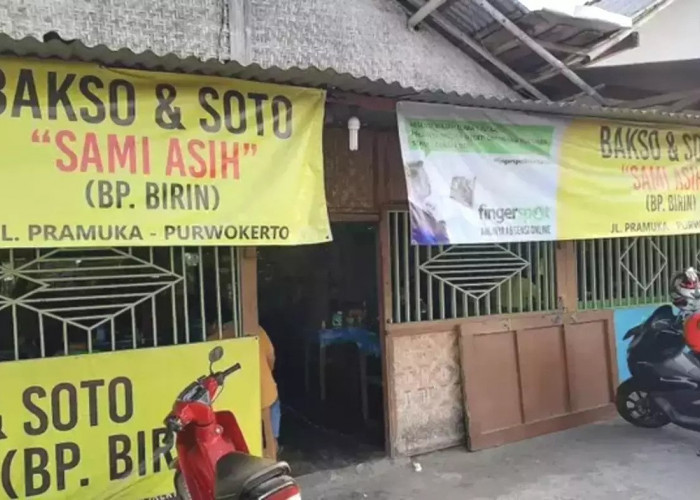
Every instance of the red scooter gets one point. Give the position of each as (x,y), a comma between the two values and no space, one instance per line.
(213,460)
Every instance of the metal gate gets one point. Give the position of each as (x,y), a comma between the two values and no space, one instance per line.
(431,283)
(66,301)
(624,272)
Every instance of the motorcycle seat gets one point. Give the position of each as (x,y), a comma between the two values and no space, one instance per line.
(662,317)
(239,473)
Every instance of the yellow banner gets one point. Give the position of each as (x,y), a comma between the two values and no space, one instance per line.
(88,426)
(628,179)
(99,156)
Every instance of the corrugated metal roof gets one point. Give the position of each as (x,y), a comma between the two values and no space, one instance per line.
(563,32)
(629,8)
(475,22)
(472,19)
(315,77)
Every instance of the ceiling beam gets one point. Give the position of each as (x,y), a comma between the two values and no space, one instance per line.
(684,104)
(539,50)
(441,23)
(658,100)
(577,97)
(424,12)
(536,32)
(554,46)
(601,48)
(561,47)
(604,46)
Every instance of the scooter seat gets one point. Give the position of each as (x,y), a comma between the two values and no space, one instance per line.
(238,473)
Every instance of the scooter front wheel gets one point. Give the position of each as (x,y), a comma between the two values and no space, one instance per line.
(637,408)
(181,490)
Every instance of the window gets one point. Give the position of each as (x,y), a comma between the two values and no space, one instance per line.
(459,281)
(623,272)
(69,301)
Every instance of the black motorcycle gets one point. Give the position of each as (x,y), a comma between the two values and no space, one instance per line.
(665,383)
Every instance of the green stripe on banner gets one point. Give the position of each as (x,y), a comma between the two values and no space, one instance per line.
(480,137)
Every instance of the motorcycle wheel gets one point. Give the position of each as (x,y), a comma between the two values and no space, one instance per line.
(181,490)
(635,406)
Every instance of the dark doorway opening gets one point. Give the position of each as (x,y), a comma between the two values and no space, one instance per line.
(319,305)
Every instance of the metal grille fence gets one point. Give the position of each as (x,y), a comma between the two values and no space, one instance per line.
(624,272)
(67,301)
(445,282)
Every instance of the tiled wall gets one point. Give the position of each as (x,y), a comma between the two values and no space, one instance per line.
(624,320)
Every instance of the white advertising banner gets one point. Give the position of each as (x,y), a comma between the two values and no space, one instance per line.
(476,175)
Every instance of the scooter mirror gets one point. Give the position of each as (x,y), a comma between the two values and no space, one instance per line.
(216,354)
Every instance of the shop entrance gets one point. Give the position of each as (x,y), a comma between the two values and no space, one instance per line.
(319,305)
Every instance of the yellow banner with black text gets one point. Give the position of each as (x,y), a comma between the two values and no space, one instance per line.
(91,426)
(628,179)
(100,156)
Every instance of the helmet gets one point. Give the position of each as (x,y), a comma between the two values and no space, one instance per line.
(685,291)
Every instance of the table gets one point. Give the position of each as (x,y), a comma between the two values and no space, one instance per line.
(367,343)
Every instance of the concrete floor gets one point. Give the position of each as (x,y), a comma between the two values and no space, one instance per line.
(609,461)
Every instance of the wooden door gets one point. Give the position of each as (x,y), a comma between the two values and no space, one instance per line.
(524,377)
